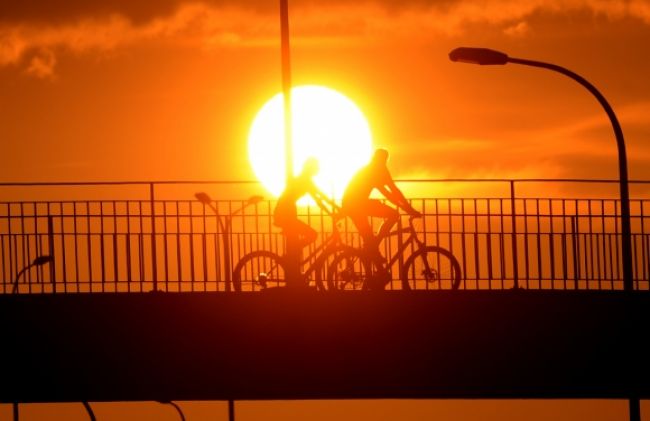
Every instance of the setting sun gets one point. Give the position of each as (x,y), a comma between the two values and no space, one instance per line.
(326,125)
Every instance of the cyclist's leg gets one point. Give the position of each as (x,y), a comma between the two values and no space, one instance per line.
(390,216)
(298,229)
(306,233)
(359,215)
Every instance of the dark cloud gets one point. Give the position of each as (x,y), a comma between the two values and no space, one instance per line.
(63,11)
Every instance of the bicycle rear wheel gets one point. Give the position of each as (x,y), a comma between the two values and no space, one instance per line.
(349,269)
(258,270)
(431,267)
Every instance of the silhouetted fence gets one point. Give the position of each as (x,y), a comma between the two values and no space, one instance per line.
(159,243)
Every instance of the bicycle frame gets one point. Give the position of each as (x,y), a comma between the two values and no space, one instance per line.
(402,245)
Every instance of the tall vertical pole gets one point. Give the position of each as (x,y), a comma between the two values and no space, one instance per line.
(286,86)
(293,248)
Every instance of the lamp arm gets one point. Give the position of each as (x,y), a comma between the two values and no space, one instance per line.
(622,162)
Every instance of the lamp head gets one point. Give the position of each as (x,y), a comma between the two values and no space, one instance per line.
(42,260)
(254,200)
(482,56)
(203,198)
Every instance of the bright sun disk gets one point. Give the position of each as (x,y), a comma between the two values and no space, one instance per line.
(326,125)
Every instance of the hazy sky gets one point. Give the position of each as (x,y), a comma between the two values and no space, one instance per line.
(167,90)
(121,90)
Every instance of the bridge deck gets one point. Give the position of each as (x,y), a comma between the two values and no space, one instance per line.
(286,344)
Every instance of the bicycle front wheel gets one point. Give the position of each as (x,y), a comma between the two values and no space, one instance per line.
(431,267)
(348,270)
(258,270)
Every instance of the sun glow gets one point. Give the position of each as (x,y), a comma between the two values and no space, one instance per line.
(326,125)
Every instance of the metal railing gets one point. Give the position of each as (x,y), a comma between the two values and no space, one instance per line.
(140,237)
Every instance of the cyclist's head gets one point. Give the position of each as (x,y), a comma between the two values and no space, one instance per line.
(380,156)
(311,167)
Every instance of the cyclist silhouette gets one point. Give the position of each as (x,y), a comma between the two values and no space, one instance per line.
(358,205)
(285,214)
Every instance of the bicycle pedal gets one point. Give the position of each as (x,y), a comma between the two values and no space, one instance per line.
(261,280)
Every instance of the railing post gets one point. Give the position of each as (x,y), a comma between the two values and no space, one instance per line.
(50,250)
(515,257)
(227,243)
(154,256)
(575,243)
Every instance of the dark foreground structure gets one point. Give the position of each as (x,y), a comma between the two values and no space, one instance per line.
(283,344)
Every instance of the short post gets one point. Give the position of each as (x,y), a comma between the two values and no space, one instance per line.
(50,246)
(154,257)
(515,255)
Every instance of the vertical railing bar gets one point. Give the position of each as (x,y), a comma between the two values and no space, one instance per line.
(526,246)
(540,267)
(26,256)
(154,253)
(179,263)
(489,243)
(140,237)
(5,276)
(229,237)
(607,253)
(76,236)
(502,245)
(437,212)
(218,268)
(101,244)
(129,265)
(166,245)
(451,226)
(12,250)
(601,253)
(594,249)
(191,237)
(616,242)
(564,246)
(116,267)
(574,245)
(552,241)
(463,240)
(644,254)
(515,254)
(89,246)
(50,248)
(36,249)
(64,262)
(477,238)
(204,244)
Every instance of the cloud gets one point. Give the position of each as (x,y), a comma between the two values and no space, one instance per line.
(42,65)
(79,26)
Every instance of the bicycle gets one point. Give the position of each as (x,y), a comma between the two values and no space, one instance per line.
(263,269)
(426,264)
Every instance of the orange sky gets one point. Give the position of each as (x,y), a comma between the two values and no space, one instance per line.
(110,90)
(166,90)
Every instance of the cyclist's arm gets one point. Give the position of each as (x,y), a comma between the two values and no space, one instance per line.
(395,195)
(323,201)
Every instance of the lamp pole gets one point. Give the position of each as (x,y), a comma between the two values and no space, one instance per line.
(292,257)
(226,228)
(485,56)
(39,261)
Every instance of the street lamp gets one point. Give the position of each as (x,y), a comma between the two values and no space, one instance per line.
(486,56)
(225,227)
(39,261)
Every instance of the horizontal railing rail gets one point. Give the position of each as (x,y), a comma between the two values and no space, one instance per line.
(144,236)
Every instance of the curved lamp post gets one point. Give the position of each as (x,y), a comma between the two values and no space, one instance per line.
(485,56)
(225,227)
(39,261)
